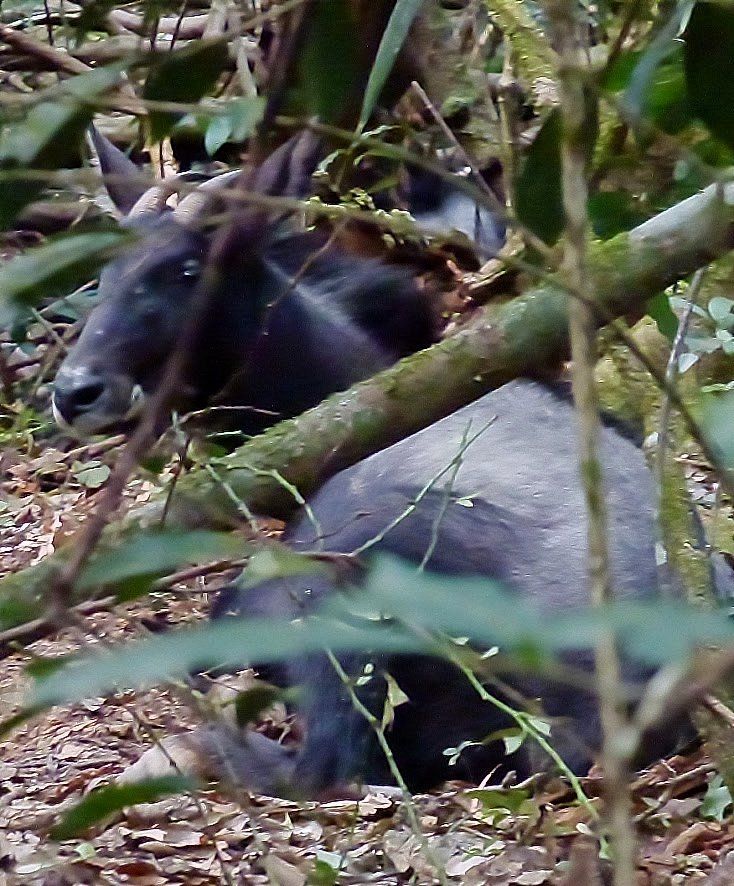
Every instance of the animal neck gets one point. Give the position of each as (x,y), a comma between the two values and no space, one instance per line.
(284,350)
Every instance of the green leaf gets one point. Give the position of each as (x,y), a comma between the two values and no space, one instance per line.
(328,74)
(250,704)
(326,869)
(717,799)
(392,41)
(540,725)
(654,632)
(42,665)
(512,737)
(184,75)
(155,552)
(612,212)
(658,307)
(678,303)
(92,474)
(227,643)
(510,799)
(53,268)
(709,66)
(717,420)
(48,137)
(217,133)
(513,743)
(652,88)
(92,17)
(279,562)
(619,75)
(105,801)
(686,361)
(395,697)
(720,309)
(538,193)
(235,124)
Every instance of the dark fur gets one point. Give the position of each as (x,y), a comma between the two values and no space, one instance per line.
(526,528)
(289,324)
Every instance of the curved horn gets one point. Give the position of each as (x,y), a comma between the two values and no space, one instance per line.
(190,208)
(153,201)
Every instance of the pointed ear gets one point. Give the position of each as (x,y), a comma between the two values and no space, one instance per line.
(287,171)
(123,180)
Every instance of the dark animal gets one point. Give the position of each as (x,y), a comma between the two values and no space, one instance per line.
(292,321)
(439,207)
(525,527)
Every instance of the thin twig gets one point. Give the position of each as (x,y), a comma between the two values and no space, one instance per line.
(411,507)
(178,470)
(722,711)
(525,723)
(671,375)
(445,500)
(633,10)
(143,435)
(49,28)
(671,371)
(690,778)
(67,64)
(177,26)
(54,58)
(462,152)
(91,449)
(281,67)
(379,731)
(577,132)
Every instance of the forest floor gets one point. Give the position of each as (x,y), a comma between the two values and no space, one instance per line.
(497,834)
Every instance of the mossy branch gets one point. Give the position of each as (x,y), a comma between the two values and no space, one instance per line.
(521,337)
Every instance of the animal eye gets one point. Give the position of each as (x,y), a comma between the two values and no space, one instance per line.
(189,270)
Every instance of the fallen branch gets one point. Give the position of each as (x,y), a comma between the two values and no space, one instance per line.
(521,337)
(49,55)
(60,61)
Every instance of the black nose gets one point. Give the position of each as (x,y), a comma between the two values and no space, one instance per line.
(75,397)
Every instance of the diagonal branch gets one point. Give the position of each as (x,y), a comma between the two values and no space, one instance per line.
(521,337)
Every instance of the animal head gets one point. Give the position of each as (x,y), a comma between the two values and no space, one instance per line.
(147,291)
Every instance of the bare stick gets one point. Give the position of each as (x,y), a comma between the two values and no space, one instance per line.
(67,64)
(577,132)
(671,371)
(144,434)
(57,60)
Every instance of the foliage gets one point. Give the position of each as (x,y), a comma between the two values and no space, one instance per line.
(392,40)
(53,269)
(416,610)
(183,76)
(661,76)
(717,800)
(103,802)
(150,554)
